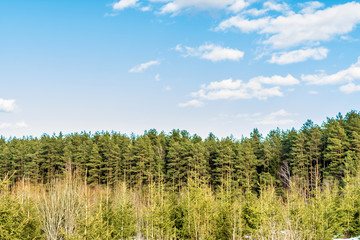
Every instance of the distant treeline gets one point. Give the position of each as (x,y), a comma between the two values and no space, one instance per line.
(311,155)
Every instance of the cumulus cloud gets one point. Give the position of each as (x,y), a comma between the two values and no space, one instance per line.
(310,7)
(7,105)
(122,4)
(144,66)
(279,7)
(177,5)
(7,125)
(288,80)
(255,12)
(276,118)
(192,103)
(230,89)
(211,52)
(345,76)
(299,55)
(350,88)
(268,7)
(145,9)
(237,6)
(243,24)
(348,77)
(306,27)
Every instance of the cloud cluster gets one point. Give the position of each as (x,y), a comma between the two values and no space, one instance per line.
(7,105)
(299,55)
(174,6)
(232,90)
(211,52)
(144,66)
(347,77)
(122,4)
(229,89)
(306,27)
(310,7)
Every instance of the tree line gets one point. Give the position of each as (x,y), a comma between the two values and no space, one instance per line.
(289,184)
(312,154)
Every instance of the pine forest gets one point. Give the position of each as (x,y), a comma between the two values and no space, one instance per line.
(289,184)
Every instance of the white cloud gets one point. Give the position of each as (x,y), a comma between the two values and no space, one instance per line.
(177,5)
(244,24)
(237,6)
(7,105)
(299,55)
(276,118)
(122,4)
(310,7)
(268,6)
(145,9)
(212,52)
(7,125)
(350,88)
(301,28)
(279,7)
(277,80)
(192,103)
(144,66)
(157,77)
(229,89)
(255,12)
(345,76)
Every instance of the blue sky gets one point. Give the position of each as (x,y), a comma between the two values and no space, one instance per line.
(221,66)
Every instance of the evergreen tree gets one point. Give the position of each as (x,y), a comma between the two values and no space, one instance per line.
(246,163)
(336,146)
(94,165)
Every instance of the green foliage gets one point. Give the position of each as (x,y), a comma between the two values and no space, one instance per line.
(286,185)
(18,220)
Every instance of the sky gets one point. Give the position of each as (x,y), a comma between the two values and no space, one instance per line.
(220,66)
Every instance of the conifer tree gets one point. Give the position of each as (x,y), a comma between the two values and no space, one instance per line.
(246,163)
(212,148)
(270,164)
(144,167)
(336,146)
(94,165)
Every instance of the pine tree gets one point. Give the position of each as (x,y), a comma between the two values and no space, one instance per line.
(94,165)
(246,163)
(212,148)
(336,145)
(144,167)
(269,165)
(174,165)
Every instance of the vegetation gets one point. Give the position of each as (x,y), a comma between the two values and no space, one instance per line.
(288,185)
